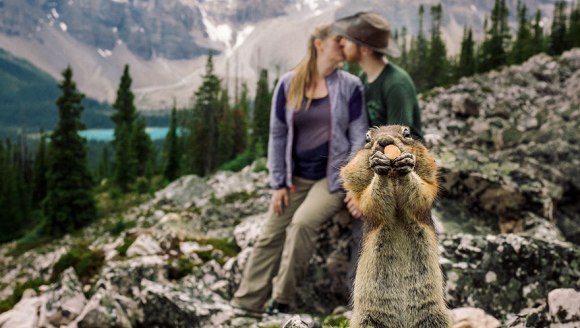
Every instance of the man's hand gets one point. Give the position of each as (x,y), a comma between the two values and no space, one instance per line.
(352,206)
(279,200)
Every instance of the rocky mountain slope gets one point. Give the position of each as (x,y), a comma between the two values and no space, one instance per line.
(507,144)
(166,42)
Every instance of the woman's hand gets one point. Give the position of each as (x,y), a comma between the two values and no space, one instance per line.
(279,200)
(352,206)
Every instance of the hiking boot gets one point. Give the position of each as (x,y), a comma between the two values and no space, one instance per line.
(274,307)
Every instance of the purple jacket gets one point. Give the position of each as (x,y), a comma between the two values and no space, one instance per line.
(348,128)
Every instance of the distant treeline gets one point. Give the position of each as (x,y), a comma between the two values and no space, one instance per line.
(425,56)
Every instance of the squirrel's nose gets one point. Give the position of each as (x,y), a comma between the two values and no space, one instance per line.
(385,141)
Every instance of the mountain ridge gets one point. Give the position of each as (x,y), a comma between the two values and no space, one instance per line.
(166,43)
(28,97)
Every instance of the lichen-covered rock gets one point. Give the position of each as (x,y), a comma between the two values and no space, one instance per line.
(506,273)
(507,141)
(125,277)
(24,314)
(561,309)
(246,233)
(105,310)
(186,305)
(295,322)
(468,317)
(183,192)
(564,305)
(144,245)
(65,300)
(536,317)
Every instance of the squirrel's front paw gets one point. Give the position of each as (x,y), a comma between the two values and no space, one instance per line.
(404,164)
(380,163)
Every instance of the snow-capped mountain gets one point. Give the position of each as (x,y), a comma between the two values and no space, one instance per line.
(166,42)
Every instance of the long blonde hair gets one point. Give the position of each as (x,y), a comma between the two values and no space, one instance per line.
(305,71)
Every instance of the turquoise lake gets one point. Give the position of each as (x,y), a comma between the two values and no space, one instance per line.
(156,133)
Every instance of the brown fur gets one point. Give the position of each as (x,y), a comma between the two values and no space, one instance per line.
(398,282)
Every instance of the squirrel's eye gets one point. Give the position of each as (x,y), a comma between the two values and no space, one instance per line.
(406,133)
(368,137)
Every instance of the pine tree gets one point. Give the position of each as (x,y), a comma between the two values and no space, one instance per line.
(103,170)
(420,57)
(134,151)
(404,60)
(12,215)
(69,203)
(226,141)
(240,117)
(522,48)
(39,175)
(171,151)
(124,117)
(261,119)
(466,65)
(142,148)
(538,39)
(438,68)
(493,49)
(558,40)
(194,143)
(202,140)
(573,37)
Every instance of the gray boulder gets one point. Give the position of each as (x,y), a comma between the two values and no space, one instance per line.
(64,301)
(504,274)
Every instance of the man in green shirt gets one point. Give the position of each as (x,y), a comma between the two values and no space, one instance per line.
(390,93)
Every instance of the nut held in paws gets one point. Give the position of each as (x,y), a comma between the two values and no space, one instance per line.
(392,151)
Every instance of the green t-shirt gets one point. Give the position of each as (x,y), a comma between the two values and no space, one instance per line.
(392,99)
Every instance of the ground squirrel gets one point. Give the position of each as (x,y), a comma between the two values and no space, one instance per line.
(399,282)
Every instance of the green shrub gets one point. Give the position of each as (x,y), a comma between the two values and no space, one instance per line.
(85,261)
(261,165)
(335,321)
(179,268)
(242,196)
(121,225)
(114,202)
(9,303)
(227,246)
(205,256)
(237,164)
(129,240)
(142,185)
(32,239)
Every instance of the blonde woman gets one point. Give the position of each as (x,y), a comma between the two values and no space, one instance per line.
(318,119)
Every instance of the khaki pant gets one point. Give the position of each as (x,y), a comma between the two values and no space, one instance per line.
(286,244)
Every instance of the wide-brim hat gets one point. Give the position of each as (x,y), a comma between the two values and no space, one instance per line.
(368,29)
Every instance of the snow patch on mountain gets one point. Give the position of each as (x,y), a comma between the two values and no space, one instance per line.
(242,36)
(217,32)
(316,7)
